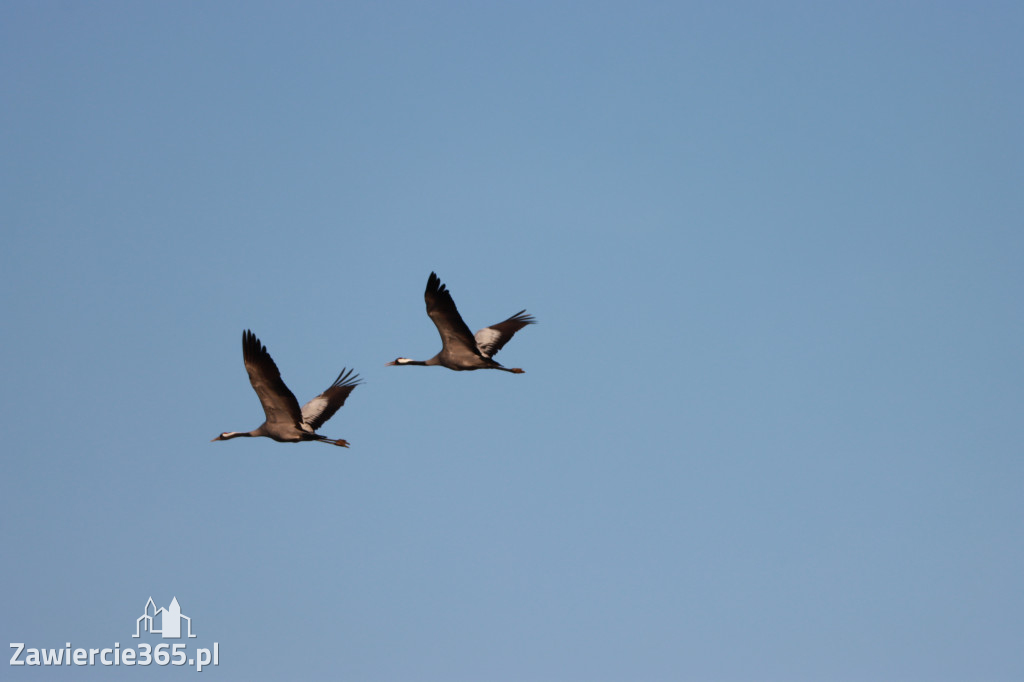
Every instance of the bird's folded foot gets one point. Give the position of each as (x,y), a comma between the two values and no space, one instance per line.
(341,442)
(516,370)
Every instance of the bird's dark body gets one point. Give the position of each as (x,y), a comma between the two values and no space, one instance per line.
(460,363)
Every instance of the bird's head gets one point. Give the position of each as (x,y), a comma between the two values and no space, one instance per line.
(223,436)
(399,361)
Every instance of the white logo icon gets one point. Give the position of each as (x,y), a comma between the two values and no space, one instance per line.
(169,618)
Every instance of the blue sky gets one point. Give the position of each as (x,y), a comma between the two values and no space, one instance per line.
(770,425)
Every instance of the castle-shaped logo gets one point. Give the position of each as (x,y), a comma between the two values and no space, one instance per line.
(168,620)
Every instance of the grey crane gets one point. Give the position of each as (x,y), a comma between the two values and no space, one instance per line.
(460,349)
(286,423)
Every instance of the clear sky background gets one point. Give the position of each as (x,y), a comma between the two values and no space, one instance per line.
(771,421)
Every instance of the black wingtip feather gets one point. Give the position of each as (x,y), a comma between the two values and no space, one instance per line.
(521,316)
(434,285)
(347,378)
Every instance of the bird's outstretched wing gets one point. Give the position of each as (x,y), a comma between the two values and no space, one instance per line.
(450,325)
(317,411)
(278,402)
(491,339)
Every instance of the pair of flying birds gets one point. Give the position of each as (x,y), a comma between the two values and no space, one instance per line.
(460,350)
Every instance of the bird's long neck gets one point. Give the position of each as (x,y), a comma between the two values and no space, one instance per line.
(238,434)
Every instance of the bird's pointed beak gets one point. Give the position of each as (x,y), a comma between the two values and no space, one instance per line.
(391,364)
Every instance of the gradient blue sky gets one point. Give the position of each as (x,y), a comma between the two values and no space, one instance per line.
(771,422)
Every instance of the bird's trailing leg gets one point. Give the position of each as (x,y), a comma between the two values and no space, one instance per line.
(341,442)
(514,370)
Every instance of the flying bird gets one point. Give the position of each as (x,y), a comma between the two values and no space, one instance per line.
(286,423)
(460,349)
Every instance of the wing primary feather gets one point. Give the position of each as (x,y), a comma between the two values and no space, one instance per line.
(455,334)
(492,339)
(317,411)
(279,403)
